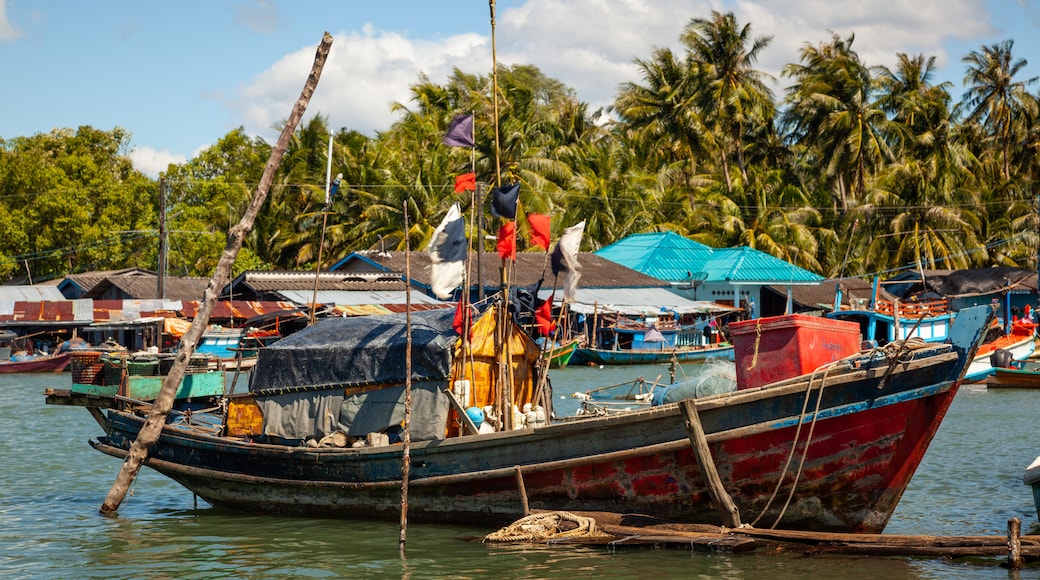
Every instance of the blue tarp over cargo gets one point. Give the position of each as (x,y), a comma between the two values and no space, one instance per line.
(357,351)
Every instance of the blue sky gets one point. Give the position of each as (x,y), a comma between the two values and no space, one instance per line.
(180,75)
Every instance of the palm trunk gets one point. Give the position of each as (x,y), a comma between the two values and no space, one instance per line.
(152,428)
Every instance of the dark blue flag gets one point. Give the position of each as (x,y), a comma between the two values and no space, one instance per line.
(503,201)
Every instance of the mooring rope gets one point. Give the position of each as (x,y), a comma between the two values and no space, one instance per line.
(544,527)
(893,351)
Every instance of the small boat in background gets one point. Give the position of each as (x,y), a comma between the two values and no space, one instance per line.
(19,355)
(51,363)
(1018,345)
(560,354)
(1020,375)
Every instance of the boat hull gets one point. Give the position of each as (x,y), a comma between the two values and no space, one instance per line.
(49,364)
(1014,378)
(640,357)
(1020,344)
(864,444)
(560,356)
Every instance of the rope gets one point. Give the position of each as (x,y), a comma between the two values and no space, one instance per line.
(893,351)
(545,527)
(758,339)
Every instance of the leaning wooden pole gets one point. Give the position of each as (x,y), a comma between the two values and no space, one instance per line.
(152,428)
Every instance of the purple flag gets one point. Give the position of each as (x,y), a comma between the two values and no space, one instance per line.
(460,132)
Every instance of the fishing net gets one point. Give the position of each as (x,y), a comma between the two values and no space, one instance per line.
(547,526)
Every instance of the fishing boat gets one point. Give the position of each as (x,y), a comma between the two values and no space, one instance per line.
(1018,375)
(1017,345)
(51,363)
(560,354)
(234,349)
(652,339)
(317,432)
(1032,479)
(19,355)
(884,321)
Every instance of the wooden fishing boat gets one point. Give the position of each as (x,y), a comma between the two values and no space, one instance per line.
(560,354)
(645,356)
(53,363)
(652,340)
(1020,375)
(1019,344)
(782,449)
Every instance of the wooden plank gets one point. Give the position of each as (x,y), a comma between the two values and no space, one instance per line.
(67,398)
(723,502)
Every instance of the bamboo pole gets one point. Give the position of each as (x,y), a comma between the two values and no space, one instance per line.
(406,459)
(152,428)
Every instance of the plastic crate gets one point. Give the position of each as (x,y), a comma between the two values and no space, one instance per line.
(86,367)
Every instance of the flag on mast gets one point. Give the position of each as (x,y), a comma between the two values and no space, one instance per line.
(465,182)
(460,132)
(565,259)
(504,199)
(539,230)
(447,249)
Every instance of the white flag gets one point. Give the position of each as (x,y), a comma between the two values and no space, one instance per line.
(565,259)
(447,250)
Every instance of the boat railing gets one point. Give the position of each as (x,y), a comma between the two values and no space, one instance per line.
(929,308)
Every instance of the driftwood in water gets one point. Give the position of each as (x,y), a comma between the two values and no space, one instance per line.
(152,428)
(641,530)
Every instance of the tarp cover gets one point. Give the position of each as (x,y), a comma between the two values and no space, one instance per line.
(315,415)
(357,351)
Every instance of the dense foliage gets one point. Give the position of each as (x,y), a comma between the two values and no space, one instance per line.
(855,170)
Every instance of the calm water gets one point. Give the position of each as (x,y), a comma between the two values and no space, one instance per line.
(52,483)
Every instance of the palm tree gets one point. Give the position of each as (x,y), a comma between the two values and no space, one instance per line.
(831,112)
(729,91)
(994,98)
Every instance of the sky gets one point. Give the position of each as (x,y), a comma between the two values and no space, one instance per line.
(179,75)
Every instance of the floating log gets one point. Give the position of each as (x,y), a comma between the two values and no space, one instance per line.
(624,530)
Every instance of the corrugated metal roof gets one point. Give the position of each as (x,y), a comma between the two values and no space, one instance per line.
(663,255)
(669,256)
(748,265)
(357,297)
(11,294)
(596,271)
(635,301)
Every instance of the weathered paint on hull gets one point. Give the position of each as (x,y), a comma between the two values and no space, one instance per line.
(642,357)
(865,444)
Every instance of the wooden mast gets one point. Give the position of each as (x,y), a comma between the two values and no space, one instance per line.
(152,428)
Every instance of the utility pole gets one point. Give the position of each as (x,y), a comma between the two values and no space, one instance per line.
(161,290)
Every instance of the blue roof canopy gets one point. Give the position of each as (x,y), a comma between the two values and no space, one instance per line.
(674,258)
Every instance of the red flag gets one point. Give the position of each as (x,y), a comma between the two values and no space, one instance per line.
(539,229)
(465,182)
(462,320)
(507,241)
(543,317)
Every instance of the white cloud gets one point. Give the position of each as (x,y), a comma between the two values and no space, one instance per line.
(365,73)
(7,30)
(152,162)
(591,45)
